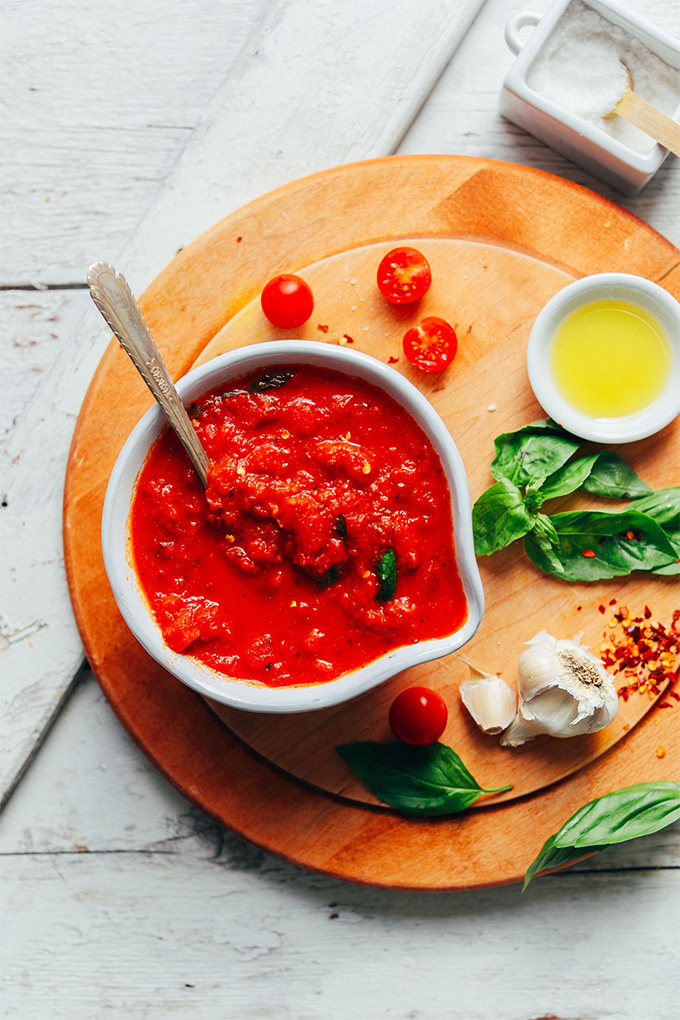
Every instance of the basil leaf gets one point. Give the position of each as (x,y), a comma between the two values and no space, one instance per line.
(603,534)
(664,507)
(532,452)
(387,576)
(499,516)
(568,478)
(270,381)
(552,856)
(547,540)
(611,476)
(428,780)
(616,817)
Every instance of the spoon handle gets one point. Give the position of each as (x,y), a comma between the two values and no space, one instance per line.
(653,122)
(111,293)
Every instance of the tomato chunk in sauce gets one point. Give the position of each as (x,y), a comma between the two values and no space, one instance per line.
(323,540)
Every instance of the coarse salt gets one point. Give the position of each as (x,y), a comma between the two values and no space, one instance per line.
(582,68)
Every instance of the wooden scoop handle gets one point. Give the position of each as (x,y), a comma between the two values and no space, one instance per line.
(653,122)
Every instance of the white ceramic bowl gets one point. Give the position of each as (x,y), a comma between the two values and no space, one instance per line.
(578,139)
(602,286)
(246,694)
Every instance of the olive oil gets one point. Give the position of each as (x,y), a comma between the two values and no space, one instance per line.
(610,358)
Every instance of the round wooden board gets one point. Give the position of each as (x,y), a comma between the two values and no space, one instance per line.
(507,237)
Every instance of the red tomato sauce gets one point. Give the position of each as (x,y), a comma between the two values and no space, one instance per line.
(276,573)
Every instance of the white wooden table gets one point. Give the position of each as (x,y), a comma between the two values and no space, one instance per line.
(129,129)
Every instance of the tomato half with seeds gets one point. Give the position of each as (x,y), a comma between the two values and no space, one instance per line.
(287,301)
(431,345)
(418,716)
(404,275)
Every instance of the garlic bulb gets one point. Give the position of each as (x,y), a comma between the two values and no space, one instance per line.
(488,699)
(564,691)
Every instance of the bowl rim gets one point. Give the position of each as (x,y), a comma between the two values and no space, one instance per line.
(250,695)
(613,430)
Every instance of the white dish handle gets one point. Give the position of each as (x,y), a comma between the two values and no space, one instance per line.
(514,27)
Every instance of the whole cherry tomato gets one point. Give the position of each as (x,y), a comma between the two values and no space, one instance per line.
(404,275)
(287,301)
(431,345)
(418,716)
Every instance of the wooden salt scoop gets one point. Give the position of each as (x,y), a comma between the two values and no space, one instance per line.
(647,118)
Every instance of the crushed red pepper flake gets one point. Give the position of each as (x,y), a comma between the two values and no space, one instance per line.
(392,361)
(645,651)
(322,328)
(587,552)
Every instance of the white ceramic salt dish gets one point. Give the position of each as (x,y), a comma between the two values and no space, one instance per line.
(605,286)
(249,695)
(581,141)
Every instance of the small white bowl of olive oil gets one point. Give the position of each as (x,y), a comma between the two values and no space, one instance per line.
(604,357)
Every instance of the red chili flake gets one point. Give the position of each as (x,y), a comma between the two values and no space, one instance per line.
(348,338)
(629,534)
(579,608)
(587,552)
(392,361)
(612,602)
(602,609)
(322,328)
(646,653)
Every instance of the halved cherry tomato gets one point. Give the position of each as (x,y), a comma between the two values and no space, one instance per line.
(287,301)
(418,716)
(404,275)
(431,345)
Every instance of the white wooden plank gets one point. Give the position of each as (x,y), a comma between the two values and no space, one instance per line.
(144,936)
(326,84)
(98,101)
(35,327)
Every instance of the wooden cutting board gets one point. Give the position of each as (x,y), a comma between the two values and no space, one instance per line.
(501,239)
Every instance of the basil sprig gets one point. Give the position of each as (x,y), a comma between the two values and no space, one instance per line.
(615,818)
(541,461)
(429,780)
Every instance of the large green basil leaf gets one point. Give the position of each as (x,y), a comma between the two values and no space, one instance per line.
(532,452)
(611,476)
(604,474)
(428,780)
(664,507)
(568,478)
(499,516)
(604,534)
(616,817)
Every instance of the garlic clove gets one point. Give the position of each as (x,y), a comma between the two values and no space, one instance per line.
(488,699)
(564,691)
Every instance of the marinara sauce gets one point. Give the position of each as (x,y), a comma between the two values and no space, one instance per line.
(323,540)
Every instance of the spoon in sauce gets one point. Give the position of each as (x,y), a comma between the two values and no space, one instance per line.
(647,117)
(112,295)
